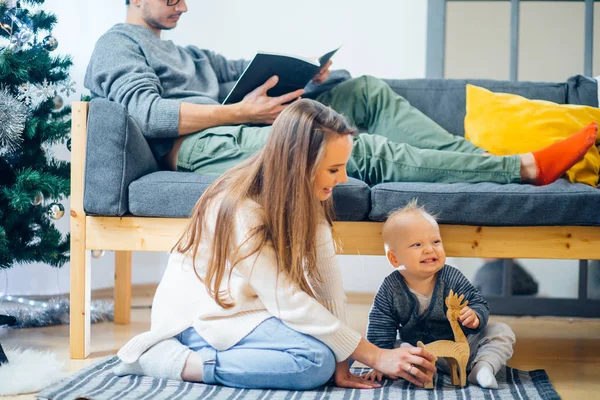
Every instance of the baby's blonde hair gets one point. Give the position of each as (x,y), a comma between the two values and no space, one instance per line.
(388,231)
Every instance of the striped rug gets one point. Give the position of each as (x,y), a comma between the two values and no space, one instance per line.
(98,383)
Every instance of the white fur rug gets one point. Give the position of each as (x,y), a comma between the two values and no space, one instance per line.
(29,371)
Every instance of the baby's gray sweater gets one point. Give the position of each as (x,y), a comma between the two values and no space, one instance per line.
(395,310)
(150,77)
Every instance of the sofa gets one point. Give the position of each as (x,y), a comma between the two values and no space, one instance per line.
(121,200)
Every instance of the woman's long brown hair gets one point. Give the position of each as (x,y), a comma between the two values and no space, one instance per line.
(280,178)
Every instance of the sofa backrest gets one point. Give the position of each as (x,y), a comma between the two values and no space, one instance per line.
(444,100)
(117,154)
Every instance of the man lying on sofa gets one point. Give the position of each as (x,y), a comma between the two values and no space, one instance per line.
(172,93)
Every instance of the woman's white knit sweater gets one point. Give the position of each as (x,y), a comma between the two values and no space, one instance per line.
(182,300)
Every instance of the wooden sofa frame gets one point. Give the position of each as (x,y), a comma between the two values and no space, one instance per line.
(130,233)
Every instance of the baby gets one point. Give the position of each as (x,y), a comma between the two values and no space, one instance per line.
(409,305)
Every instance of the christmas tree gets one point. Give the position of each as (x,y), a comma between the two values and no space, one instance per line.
(33,120)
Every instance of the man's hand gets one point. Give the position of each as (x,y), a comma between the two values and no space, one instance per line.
(344,378)
(323,74)
(468,318)
(258,108)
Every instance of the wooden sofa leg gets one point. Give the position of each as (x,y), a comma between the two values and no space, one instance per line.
(81,289)
(80,326)
(122,287)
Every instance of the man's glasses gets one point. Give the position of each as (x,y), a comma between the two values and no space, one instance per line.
(172,2)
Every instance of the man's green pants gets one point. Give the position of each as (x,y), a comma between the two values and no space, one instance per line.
(402,144)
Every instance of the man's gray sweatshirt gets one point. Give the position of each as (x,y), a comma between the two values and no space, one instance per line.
(150,77)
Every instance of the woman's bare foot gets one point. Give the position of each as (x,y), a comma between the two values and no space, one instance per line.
(192,370)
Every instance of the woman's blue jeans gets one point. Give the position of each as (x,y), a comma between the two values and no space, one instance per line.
(272,356)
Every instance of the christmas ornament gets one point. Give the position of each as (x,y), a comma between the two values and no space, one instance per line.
(21,38)
(26,93)
(12,122)
(56,211)
(46,90)
(33,95)
(50,43)
(58,102)
(68,87)
(98,253)
(39,198)
(6,27)
(69,144)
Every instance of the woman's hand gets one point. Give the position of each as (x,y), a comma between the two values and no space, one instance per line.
(402,362)
(344,378)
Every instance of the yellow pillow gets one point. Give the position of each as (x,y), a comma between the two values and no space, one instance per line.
(505,124)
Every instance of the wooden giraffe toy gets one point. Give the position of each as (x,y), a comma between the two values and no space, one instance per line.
(455,352)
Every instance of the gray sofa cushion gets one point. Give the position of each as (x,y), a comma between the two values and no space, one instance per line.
(560,203)
(117,153)
(443,100)
(174,194)
(167,193)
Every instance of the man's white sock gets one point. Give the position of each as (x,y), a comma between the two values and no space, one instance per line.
(165,359)
(483,375)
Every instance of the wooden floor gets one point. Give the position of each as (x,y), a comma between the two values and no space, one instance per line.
(568,349)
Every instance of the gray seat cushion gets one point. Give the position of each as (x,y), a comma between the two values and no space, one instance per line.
(560,203)
(174,194)
(167,193)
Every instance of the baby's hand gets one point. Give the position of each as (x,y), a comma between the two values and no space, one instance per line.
(468,318)
(374,375)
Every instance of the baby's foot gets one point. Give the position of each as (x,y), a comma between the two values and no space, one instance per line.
(482,374)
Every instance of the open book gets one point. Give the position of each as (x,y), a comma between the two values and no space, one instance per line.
(293,72)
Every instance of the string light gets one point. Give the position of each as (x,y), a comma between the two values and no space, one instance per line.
(22,300)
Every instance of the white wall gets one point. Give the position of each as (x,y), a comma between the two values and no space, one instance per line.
(551,40)
(385,38)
